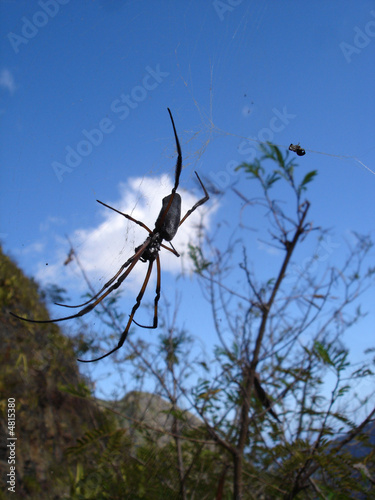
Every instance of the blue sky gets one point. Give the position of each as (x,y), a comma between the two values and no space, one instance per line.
(85,87)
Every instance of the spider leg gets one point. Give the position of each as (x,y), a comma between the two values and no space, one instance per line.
(127,263)
(127,216)
(90,307)
(179,157)
(140,223)
(177,173)
(133,311)
(198,204)
(157,297)
(173,250)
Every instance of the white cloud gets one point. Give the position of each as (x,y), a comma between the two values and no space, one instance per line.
(104,248)
(34,248)
(7,80)
(50,222)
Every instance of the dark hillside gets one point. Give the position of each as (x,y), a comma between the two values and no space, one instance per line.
(38,364)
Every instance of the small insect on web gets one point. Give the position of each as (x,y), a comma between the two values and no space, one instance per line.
(296,148)
(166,227)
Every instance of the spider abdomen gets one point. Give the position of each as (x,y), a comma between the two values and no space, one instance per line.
(169,218)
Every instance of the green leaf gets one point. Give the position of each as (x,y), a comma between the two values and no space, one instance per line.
(196,255)
(279,156)
(80,390)
(271,179)
(208,394)
(254,169)
(308,178)
(322,353)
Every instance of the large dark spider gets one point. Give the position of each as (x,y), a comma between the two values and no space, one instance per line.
(166,226)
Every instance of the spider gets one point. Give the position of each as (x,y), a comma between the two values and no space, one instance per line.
(296,148)
(166,227)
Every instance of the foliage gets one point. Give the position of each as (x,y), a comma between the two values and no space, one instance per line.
(289,327)
(270,413)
